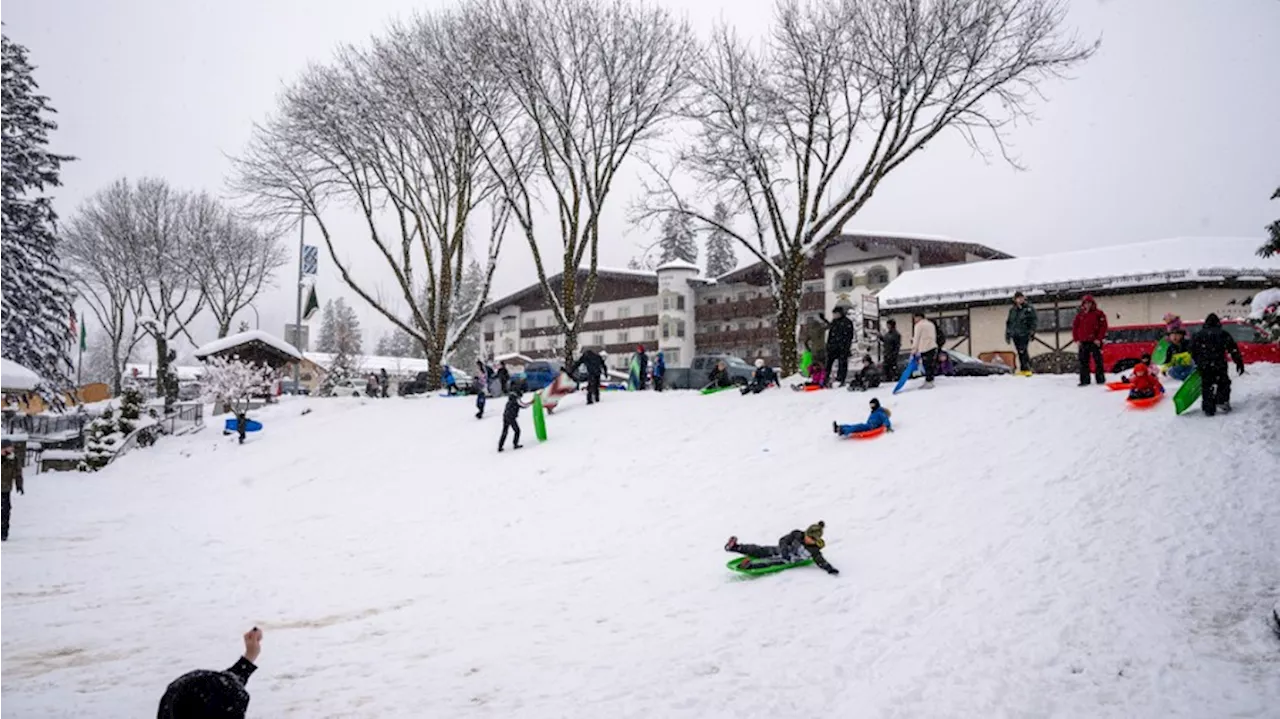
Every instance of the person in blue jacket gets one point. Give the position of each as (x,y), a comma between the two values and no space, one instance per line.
(450,383)
(879,418)
(659,370)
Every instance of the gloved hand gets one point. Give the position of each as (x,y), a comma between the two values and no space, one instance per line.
(1240,369)
(833,571)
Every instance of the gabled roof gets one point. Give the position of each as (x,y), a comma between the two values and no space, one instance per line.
(247,338)
(1181,259)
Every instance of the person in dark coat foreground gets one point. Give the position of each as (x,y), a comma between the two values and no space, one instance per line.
(206,694)
(761,379)
(796,546)
(509,416)
(12,476)
(839,347)
(892,346)
(1209,350)
(594,364)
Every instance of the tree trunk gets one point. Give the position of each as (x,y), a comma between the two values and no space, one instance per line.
(224,328)
(788,305)
(435,360)
(570,347)
(162,363)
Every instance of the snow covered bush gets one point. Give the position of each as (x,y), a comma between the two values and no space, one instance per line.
(231,383)
(106,433)
(1265,314)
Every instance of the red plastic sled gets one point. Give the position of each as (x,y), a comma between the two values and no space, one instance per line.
(1145,402)
(812,388)
(869,434)
(1114,386)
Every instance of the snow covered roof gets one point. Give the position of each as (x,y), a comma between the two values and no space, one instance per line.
(241,338)
(514,358)
(1181,259)
(678,264)
(16,378)
(375,363)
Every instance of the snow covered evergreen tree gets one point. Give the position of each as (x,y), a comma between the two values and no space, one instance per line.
(473,285)
(339,324)
(721,259)
(1273,234)
(106,434)
(677,241)
(36,306)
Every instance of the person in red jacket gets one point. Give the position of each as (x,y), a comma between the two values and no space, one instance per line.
(1145,383)
(1089,330)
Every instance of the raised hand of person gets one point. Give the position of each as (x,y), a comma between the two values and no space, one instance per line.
(253,644)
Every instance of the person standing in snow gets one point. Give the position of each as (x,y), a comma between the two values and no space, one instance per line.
(878,418)
(644,366)
(594,365)
(384,381)
(1019,328)
(1089,329)
(924,344)
(796,546)
(207,694)
(11,475)
(1209,350)
(892,348)
(839,346)
(659,370)
(447,379)
(504,376)
(509,416)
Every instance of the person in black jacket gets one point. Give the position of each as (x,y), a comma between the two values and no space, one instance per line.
(892,345)
(839,347)
(595,368)
(1209,350)
(868,377)
(504,376)
(796,546)
(644,366)
(761,379)
(208,694)
(509,416)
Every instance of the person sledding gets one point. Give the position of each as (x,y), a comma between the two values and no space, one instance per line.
(817,377)
(796,546)
(1178,362)
(1145,359)
(719,376)
(1144,384)
(867,377)
(879,418)
(761,379)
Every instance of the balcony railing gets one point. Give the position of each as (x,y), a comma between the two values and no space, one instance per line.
(758,307)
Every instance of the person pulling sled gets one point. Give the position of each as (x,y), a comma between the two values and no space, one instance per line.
(796,546)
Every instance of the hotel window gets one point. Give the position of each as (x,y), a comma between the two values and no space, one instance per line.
(877,277)
(624,337)
(624,313)
(597,315)
(597,340)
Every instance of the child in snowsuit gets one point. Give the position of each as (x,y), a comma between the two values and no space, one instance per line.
(1145,384)
(879,418)
(719,376)
(817,377)
(1144,360)
(509,415)
(796,546)
(867,377)
(1178,356)
(761,379)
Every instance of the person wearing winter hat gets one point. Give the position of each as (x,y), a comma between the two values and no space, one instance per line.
(1145,384)
(879,418)
(643,357)
(1209,350)
(1089,329)
(867,377)
(207,694)
(1178,355)
(761,379)
(1172,322)
(795,546)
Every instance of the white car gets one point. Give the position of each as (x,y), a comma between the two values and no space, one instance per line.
(354,387)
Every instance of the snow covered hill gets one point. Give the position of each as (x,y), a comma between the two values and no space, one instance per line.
(1019,547)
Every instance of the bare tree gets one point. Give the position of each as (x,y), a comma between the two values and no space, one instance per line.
(798,131)
(232,260)
(98,246)
(592,81)
(393,131)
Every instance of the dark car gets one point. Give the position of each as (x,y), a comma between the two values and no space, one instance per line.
(962,365)
(417,385)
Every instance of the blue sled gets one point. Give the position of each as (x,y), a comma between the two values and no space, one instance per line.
(912,365)
(249,425)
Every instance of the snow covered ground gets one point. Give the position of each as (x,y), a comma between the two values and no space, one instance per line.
(1018,548)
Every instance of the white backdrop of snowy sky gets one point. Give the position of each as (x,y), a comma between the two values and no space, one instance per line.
(1169,130)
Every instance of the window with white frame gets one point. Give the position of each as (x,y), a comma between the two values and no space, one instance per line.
(877,277)
(597,315)
(666,330)
(624,312)
(508,324)
(666,302)
(624,337)
(680,328)
(508,346)
(679,302)
(530,323)
(651,335)
(597,340)
(650,308)
(844,280)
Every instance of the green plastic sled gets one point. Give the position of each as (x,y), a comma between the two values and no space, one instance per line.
(735,565)
(1160,355)
(539,419)
(713,390)
(1188,393)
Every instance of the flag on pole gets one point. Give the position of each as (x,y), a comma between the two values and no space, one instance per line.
(73,322)
(82,338)
(310,259)
(313,305)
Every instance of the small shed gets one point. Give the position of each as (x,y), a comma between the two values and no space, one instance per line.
(254,346)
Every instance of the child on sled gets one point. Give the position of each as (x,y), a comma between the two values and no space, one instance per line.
(817,377)
(1145,384)
(879,418)
(796,546)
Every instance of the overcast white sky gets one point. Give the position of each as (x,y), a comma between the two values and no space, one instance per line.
(1171,129)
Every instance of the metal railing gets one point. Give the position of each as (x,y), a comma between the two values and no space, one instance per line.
(42,426)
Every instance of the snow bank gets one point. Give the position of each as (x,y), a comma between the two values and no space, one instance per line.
(16,378)
(1263,300)
(1018,548)
(1149,263)
(244,337)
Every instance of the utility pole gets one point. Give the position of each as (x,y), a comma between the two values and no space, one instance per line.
(297,327)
